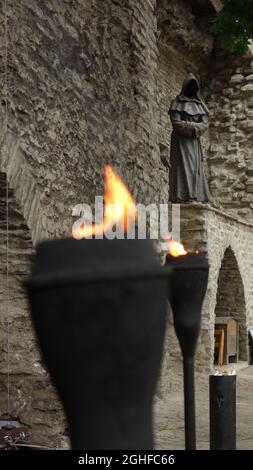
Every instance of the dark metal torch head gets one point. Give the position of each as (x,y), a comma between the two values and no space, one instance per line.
(188,285)
(99,310)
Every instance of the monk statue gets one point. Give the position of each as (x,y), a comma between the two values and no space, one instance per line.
(189,117)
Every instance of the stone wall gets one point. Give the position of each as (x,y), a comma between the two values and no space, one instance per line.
(230,100)
(66,118)
(226,87)
(81,92)
(25,390)
(229,243)
(184,46)
(90,82)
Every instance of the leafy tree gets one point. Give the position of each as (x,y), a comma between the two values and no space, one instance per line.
(234,25)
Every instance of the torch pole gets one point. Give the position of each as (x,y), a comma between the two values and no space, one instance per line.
(186,294)
(189,404)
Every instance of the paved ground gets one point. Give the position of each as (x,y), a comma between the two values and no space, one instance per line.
(169,416)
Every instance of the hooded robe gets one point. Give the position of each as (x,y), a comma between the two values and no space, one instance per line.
(189,117)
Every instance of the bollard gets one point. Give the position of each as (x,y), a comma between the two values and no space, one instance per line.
(251,346)
(222,412)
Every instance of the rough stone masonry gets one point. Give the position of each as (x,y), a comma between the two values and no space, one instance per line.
(89,82)
(81,91)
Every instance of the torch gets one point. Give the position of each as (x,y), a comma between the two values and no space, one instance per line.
(99,311)
(187,290)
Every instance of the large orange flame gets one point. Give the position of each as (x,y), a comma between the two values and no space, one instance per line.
(176,249)
(119,207)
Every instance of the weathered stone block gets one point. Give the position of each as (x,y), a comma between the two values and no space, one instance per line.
(228,92)
(237,78)
(247,88)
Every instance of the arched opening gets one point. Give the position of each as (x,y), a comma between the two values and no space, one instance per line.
(15,327)
(230,313)
(25,390)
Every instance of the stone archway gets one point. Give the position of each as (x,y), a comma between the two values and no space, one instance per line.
(25,389)
(230,300)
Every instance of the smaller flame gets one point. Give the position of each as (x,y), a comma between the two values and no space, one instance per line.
(176,249)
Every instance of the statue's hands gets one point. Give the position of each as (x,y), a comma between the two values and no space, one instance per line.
(184,128)
(201,126)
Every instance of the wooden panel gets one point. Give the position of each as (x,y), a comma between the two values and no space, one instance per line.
(230,327)
(232,338)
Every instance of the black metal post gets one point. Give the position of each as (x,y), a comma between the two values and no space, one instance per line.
(251,346)
(189,404)
(222,412)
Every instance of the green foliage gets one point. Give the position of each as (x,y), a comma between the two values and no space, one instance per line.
(234,25)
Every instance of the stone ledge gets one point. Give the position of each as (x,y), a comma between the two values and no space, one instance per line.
(209,208)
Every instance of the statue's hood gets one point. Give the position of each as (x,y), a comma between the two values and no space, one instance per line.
(192,106)
(190,78)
